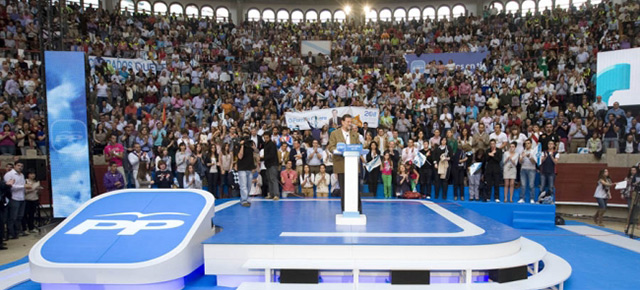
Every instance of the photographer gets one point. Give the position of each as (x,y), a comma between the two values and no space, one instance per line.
(246,165)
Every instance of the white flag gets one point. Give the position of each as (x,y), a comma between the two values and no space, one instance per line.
(374,163)
(419,160)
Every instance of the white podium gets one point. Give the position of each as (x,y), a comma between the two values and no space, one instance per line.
(351,215)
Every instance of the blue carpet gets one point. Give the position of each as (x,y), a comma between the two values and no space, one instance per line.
(596,265)
(25,259)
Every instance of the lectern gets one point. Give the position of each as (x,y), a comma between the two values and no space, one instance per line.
(351,154)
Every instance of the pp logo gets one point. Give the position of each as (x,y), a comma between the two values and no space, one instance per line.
(126,227)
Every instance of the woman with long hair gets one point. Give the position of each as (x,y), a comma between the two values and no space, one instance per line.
(182,160)
(213,172)
(99,139)
(192,178)
(143,177)
(306,181)
(510,171)
(374,174)
(441,156)
(602,194)
(226,161)
(426,171)
(403,182)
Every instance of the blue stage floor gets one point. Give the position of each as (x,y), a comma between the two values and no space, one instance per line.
(266,221)
(596,265)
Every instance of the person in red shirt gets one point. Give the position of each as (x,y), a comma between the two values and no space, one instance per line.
(288,177)
(114,152)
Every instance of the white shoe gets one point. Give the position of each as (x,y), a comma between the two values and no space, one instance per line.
(521,201)
(497,200)
(532,201)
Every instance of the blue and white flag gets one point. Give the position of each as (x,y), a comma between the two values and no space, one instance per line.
(473,169)
(374,163)
(538,154)
(419,160)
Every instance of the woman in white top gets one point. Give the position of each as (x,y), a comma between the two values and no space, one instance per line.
(602,194)
(191,178)
(510,161)
(306,181)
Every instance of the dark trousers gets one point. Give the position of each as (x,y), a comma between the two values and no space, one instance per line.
(4,211)
(457,176)
(372,182)
(493,178)
(341,182)
(28,222)
(180,176)
(441,185)
(426,180)
(213,182)
(272,181)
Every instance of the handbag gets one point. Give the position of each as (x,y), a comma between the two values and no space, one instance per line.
(411,195)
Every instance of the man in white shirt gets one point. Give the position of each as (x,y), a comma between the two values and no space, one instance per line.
(314,157)
(409,153)
(15,178)
(501,138)
(135,158)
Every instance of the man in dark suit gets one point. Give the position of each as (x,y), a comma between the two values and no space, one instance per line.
(298,157)
(335,120)
(347,136)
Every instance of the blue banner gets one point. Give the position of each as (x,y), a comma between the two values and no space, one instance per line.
(471,60)
(67,124)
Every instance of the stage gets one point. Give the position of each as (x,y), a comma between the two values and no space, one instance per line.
(253,246)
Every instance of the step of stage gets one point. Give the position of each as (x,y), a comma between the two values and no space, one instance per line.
(555,272)
(534,220)
(530,253)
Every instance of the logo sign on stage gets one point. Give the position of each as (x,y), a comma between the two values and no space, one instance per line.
(128,227)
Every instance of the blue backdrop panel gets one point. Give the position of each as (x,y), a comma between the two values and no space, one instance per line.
(67,124)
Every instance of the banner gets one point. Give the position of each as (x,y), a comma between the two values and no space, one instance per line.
(315,47)
(419,160)
(134,63)
(470,60)
(308,120)
(373,164)
(68,135)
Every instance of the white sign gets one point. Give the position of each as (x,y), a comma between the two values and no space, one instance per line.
(315,47)
(317,118)
(134,63)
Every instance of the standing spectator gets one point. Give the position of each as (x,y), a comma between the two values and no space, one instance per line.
(163,178)
(113,179)
(458,173)
(374,174)
(595,145)
(527,172)
(578,133)
(135,159)
(5,195)
(480,139)
(426,171)
(314,156)
(441,156)
(403,126)
(288,178)
(15,178)
(213,172)
(271,163)
(502,141)
(475,177)
(226,164)
(182,159)
(602,194)
(7,141)
(32,201)
(387,171)
(322,180)
(192,178)
(306,182)
(510,171)
(143,176)
(99,139)
(246,165)
(493,170)
(298,157)
(548,163)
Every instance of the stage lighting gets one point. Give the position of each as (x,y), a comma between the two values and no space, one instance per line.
(347,9)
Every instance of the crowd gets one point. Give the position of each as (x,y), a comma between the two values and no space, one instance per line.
(210,113)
